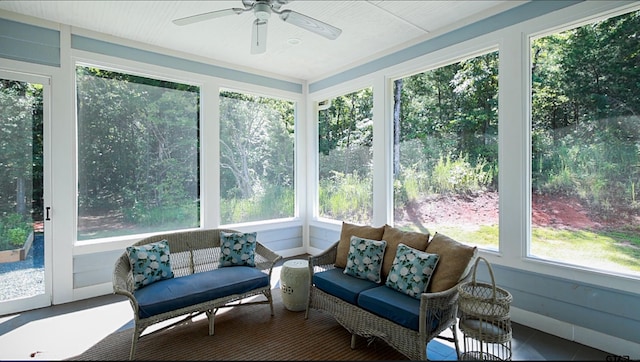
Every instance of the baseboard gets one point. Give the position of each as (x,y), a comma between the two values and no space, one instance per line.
(92,291)
(614,345)
(314,251)
(292,252)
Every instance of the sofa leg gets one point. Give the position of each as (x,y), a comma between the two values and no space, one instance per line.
(134,342)
(211,316)
(271,305)
(354,340)
(455,339)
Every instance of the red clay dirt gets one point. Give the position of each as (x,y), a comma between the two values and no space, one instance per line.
(482,209)
(557,211)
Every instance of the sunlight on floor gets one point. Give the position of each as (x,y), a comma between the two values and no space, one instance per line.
(47,338)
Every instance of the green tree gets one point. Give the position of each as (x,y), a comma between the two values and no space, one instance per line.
(584,112)
(138,148)
(20,146)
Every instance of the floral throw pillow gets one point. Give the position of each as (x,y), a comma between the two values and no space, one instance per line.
(237,249)
(150,263)
(365,257)
(411,271)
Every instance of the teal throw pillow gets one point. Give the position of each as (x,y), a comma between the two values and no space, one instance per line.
(237,249)
(365,257)
(411,271)
(150,263)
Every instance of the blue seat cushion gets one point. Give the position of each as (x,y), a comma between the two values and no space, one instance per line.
(171,294)
(394,306)
(341,285)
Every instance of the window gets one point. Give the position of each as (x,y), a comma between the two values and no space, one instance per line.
(138,152)
(22,187)
(345,130)
(256,158)
(585,136)
(445,151)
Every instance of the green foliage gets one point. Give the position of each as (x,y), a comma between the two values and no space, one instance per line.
(137,149)
(411,184)
(460,176)
(13,231)
(352,160)
(347,122)
(256,157)
(184,215)
(275,202)
(20,147)
(345,158)
(447,176)
(585,138)
(346,197)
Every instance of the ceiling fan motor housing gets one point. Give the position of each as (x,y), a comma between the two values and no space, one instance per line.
(262,10)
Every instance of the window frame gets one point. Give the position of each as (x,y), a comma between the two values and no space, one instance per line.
(317,152)
(136,71)
(313,160)
(565,19)
(210,87)
(264,93)
(83,58)
(441,60)
(604,276)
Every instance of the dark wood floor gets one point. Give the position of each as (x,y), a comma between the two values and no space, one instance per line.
(66,330)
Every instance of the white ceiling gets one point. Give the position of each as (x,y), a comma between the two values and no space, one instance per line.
(370,29)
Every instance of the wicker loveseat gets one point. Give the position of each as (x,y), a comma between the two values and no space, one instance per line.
(198,284)
(374,310)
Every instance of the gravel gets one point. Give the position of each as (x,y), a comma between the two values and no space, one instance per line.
(24,278)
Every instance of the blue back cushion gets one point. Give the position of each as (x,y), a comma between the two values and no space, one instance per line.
(397,307)
(343,286)
(172,294)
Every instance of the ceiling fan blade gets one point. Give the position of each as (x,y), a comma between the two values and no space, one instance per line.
(206,16)
(311,24)
(259,36)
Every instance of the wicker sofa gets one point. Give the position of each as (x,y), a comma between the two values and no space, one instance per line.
(199,283)
(374,310)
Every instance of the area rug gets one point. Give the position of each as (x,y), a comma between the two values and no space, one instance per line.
(247,333)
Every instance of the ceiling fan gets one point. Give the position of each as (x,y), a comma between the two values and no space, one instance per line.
(262,10)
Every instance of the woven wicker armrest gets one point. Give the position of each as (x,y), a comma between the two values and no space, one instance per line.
(325,260)
(265,258)
(439,300)
(123,279)
(438,311)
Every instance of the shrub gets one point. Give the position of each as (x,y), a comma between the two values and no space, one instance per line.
(13,231)
(460,176)
(346,197)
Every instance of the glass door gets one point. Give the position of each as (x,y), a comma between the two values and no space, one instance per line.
(25,277)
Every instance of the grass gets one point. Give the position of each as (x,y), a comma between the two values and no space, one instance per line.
(612,250)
